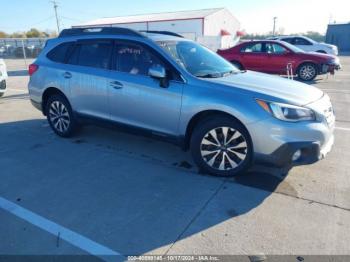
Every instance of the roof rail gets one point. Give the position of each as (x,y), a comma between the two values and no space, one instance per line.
(99,31)
(163,33)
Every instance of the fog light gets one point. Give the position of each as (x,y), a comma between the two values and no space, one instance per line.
(296,156)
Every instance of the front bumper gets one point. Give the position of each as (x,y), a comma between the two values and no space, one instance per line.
(308,153)
(276,142)
(330,68)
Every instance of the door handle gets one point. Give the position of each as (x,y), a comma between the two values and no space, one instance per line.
(116,85)
(67,75)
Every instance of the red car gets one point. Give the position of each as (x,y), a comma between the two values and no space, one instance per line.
(277,57)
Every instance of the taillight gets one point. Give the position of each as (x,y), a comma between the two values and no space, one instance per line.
(32,69)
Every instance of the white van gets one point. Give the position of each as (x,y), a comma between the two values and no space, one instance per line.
(3,77)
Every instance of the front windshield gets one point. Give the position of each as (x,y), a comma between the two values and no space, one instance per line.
(198,60)
(293,48)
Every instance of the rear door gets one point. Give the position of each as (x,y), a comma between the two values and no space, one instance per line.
(139,100)
(88,69)
(252,57)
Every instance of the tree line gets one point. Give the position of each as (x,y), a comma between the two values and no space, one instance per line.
(35,33)
(311,34)
(32,33)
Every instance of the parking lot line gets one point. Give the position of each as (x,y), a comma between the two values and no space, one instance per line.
(342,128)
(69,236)
(17,90)
(335,90)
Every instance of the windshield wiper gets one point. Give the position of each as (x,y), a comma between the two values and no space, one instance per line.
(232,72)
(209,75)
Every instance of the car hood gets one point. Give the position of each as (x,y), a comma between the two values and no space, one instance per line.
(322,56)
(274,86)
(328,45)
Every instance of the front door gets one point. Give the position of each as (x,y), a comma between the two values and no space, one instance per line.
(304,44)
(137,99)
(278,58)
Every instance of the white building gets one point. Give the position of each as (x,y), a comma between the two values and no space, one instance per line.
(215,28)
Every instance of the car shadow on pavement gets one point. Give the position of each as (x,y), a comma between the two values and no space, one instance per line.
(17,96)
(120,190)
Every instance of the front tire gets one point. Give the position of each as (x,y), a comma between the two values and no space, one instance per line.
(222,147)
(307,72)
(60,116)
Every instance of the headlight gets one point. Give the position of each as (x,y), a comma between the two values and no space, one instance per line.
(334,61)
(287,112)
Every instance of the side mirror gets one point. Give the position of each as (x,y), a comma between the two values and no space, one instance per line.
(159,72)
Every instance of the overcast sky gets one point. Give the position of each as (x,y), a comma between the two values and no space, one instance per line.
(295,16)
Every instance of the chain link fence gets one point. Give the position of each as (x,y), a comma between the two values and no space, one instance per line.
(22,50)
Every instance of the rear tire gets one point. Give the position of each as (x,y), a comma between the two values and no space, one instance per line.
(60,116)
(2,94)
(221,147)
(307,72)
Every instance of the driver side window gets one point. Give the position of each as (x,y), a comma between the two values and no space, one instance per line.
(135,59)
(275,49)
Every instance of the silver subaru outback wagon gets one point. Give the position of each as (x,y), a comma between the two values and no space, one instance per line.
(161,84)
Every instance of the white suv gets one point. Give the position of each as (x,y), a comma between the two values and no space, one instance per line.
(3,77)
(308,44)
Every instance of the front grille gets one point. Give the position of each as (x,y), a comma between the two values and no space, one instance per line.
(324,107)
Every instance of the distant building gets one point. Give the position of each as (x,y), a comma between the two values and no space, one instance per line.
(339,35)
(215,28)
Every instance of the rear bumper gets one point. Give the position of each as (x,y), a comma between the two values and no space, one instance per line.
(2,86)
(37,105)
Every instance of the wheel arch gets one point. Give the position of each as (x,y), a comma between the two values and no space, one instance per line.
(308,62)
(50,92)
(201,116)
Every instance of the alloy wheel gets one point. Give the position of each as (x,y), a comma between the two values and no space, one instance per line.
(59,116)
(224,148)
(307,72)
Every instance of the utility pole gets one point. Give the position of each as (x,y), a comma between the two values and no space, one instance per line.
(274,26)
(55,6)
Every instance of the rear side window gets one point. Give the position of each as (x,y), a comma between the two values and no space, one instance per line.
(92,54)
(135,59)
(252,48)
(59,53)
(275,49)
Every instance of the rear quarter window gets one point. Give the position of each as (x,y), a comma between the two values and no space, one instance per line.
(59,53)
